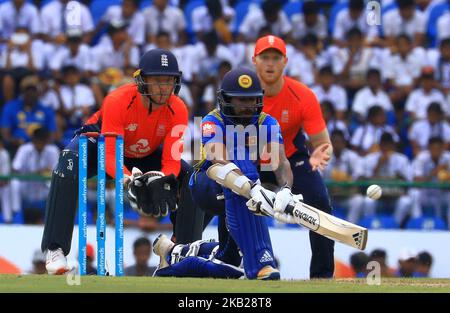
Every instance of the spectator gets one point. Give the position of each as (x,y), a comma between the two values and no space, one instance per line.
(310,21)
(270,14)
(406,19)
(5,191)
(379,256)
(424,263)
(142,251)
(37,157)
(365,139)
(18,14)
(443,26)
(434,126)
(388,165)
(419,100)
(306,61)
(116,50)
(432,165)
(402,69)
(350,18)
(129,13)
(38,263)
(214,15)
(162,17)
(440,61)
(56,20)
(345,165)
(329,115)
(209,55)
(22,57)
(210,94)
(74,52)
(407,263)
(371,95)
(328,90)
(77,99)
(353,62)
(22,116)
(358,261)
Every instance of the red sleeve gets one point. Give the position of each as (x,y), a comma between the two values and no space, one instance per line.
(173,142)
(313,122)
(112,121)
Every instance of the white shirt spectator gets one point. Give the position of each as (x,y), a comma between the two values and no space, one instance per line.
(441,67)
(29,161)
(136,27)
(418,102)
(349,162)
(255,20)
(366,58)
(171,20)
(344,23)
(334,124)
(63,57)
(443,26)
(398,165)
(79,96)
(404,71)
(336,95)
(204,65)
(52,17)
(104,55)
(365,99)
(10,19)
(394,25)
(300,29)
(202,20)
(20,58)
(366,136)
(423,165)
(421,131)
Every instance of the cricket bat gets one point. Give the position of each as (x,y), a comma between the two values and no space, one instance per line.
(314,219)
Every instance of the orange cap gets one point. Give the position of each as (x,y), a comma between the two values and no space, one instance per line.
(269,42)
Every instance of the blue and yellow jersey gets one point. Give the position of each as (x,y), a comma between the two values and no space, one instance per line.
(240,143)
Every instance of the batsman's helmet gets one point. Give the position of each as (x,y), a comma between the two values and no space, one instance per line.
(241,82)
(157,62)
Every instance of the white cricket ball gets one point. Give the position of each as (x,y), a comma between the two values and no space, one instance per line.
(374,192)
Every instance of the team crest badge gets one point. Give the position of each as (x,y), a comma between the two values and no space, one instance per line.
(245,81)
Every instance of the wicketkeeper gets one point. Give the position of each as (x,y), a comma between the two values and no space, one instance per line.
(151,118)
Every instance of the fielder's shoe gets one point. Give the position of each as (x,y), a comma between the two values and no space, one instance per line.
(56,263)
(162,246)
(268,273)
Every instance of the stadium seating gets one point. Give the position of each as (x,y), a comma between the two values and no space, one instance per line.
(379,222)
(145,4)
(426,223)
(99,7)
(241,9)
(335,9)
(292,8)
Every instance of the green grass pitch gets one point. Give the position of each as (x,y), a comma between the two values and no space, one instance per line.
(45,283)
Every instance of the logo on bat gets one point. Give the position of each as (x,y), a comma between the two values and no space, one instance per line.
(310,218)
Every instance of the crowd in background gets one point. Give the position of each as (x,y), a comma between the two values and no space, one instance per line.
(384,87)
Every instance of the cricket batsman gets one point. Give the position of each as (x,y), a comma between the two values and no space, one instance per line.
(238,136)
(151,118)
(297,109)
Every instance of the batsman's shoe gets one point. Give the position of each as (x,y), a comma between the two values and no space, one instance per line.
(162,246)
(56,262)
(268,273)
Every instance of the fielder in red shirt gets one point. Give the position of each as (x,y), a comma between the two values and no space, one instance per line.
(297,110)
(152,119)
